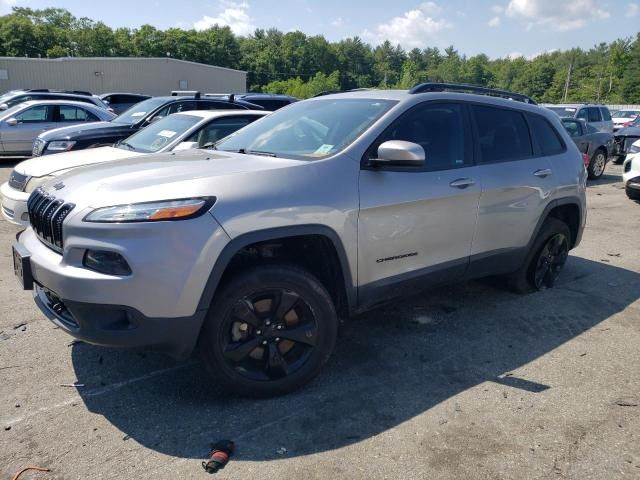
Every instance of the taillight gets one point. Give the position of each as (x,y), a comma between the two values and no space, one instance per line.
(626,124)
(585,159)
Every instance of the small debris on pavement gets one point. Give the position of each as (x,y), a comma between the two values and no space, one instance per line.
(458,408)
(583,354)
(614,254)
(125,438)
(7,428)
(281,451)
(627,402)
(504,394)
(72,384)
(15,327)
(221,452)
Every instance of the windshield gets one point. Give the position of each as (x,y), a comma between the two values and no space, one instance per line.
(308,130)
(159,134)
(139,111)
(10,112)
(563,111)
(626,114)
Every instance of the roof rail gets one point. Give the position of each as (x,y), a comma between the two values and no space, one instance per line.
(176,93)
(47,90)
(231,97)
(330,92)
(460,87)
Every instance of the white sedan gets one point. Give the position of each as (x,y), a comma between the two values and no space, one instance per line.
(193,129)
(631,172)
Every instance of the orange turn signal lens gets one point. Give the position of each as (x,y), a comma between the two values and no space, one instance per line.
(175,212)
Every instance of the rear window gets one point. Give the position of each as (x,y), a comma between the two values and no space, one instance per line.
(545,135)
(504,134)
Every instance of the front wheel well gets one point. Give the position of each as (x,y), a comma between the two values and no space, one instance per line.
(570,215)
(315,253)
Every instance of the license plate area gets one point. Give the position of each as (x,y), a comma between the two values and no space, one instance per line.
(22,266)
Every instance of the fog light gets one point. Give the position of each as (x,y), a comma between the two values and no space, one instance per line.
(111,263)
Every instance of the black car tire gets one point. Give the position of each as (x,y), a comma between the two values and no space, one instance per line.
(595,168)
(632,193)
(238,342)
(524,279)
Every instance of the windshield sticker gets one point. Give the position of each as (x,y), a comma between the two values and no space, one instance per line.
(323,149)
(166,133)
(138,114)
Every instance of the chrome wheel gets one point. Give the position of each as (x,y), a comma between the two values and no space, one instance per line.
(598,164)
(551,259)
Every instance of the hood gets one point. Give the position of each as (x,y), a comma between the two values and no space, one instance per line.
(184,174)
(628,132)
(51,164)
(76,131)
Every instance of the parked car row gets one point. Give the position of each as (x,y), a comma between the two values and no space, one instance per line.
(25,116)
(249,251)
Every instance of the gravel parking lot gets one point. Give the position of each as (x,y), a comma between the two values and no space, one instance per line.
(465,382)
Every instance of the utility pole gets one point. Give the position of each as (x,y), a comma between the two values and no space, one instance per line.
(566,84)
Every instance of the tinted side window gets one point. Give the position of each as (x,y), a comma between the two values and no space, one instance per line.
(583,114)
(218,129)
(545,135)
(221,106)
(439,128)
(41,113)
(606,115)
(594,114)
(75,114)
(572,127)
(503,134)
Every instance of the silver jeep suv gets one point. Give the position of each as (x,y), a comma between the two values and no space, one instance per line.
(252,251)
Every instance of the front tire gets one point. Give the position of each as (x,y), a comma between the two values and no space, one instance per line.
(269,331)
(546,258)
(597,164)
(632,194)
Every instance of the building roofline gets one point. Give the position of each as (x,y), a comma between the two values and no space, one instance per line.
(80,59)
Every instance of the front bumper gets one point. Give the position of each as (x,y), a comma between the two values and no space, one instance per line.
(120,326)
(156,307)
(14,205)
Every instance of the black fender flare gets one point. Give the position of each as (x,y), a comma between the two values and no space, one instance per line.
(241,241)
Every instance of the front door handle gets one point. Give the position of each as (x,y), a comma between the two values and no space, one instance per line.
(543,172)
(462,183)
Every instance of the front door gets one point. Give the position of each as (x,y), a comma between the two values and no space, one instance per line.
(416,224)
(18,139)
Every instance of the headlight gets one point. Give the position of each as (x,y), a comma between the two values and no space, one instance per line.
(35,182)
(60,146)
(152,211)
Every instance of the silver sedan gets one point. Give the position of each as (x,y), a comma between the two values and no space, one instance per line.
(22,123)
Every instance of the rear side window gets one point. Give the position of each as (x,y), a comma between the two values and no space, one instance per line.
(545,135)
(594,114)
(74,114)
(583,114)
(606,115)
(503,134)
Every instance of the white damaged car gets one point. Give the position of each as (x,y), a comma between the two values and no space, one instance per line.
(180,131)
(631,172)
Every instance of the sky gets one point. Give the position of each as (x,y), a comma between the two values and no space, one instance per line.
(498,28)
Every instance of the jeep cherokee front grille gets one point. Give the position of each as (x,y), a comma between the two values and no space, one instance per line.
(46,215)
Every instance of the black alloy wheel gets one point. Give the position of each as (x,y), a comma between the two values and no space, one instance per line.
(551,259)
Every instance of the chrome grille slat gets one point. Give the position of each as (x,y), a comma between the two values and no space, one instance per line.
(46,215)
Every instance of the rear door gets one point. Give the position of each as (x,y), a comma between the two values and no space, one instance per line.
(607,121)
(517,181)
(416,221)
(18,139)
(595,119)
(577,134)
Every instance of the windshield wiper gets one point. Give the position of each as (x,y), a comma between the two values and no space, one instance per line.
(260,152)
(128,145)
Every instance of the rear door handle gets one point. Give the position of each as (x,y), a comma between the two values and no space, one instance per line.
(462,183)
(543,172)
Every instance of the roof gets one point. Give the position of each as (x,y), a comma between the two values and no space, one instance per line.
(572,105)
(119,59)
(206,114)
(61,102)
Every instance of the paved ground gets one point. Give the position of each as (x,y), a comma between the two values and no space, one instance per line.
(467,382)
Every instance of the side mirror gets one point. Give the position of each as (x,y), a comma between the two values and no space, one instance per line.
(399,153)
(185,146)
(12,122)
(4,106)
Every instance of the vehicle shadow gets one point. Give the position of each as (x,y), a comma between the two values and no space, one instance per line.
(389,366)
(605,179)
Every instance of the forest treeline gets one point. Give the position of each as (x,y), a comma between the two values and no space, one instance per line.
(302,65)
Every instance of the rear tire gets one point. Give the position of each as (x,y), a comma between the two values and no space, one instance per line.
(632,194)
(597,164)
(269,331)
(545,260)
